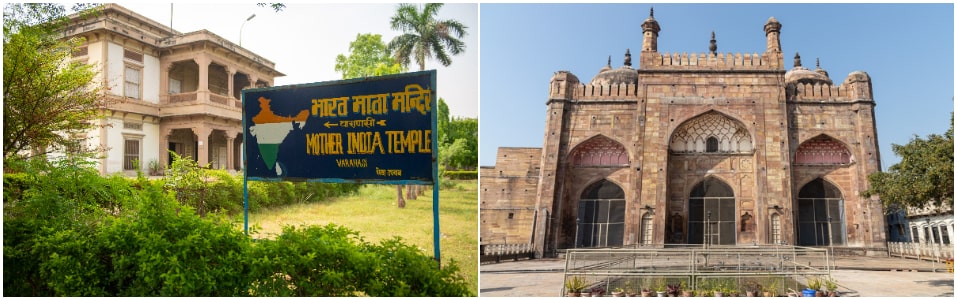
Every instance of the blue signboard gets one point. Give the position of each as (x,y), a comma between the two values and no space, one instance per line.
(375,129)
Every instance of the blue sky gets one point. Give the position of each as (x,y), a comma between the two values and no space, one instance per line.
(907,49)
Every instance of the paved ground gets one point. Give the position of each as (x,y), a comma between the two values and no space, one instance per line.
(857,276)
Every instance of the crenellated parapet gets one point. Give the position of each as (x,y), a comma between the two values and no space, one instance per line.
(857,87)
(604,91)
(707,61)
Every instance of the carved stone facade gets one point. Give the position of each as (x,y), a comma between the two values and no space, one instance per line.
(172,91)
(715,148)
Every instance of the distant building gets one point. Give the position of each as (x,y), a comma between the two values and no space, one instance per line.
(717,148)
(174,91)
(932,225)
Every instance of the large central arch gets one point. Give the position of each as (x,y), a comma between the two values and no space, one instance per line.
(820,214)
(711,213)
(601,213)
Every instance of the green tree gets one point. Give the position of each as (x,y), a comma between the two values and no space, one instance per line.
(924,176)
(462,131)
(46,97)
(424,36)
(442,120)
(368,56)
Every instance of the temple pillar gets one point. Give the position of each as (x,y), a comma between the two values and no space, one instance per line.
(202,145)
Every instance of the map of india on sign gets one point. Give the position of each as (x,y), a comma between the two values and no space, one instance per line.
(376,129)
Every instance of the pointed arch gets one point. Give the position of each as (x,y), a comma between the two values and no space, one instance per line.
(711,213)
(820,214)
(776,237)
(601,213)
(647,228)
(599,150)
(712,186)
(711,132)
(822,150)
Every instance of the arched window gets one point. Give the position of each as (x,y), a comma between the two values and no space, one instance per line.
(822,150)
(647,229)
(775,229)
(601,210)
(695,135)
(712,145)
(944,236)
(820,214)
(599,151)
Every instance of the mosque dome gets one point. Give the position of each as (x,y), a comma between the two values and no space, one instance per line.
(565,76)
(623,74)
(800,74)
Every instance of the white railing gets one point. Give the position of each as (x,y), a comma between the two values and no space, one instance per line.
(935,252)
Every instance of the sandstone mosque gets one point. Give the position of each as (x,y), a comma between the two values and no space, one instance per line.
(701,148)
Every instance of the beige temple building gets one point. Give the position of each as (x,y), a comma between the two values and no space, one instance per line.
(173,91)
(700,148)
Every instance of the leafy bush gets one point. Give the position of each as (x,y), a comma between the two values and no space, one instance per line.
(70,232)
(48,224)
(332,261)
(217,191)
(462,175)
(166,249)
(265,194)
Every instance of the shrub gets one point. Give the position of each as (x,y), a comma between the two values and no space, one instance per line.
(74,233)
(333,261)
(461,175)
(47,226)
(166,249)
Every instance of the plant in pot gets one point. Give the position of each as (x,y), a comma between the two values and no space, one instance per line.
(618,292)
(683,289)
(814,283)
(772,289)
(674,290)
(574,286)
(597,292)
(718,290)
(752,288)
(645,289)
(831,285)
(661,287)
(629,290)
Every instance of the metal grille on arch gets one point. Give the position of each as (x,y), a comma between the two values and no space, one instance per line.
(600,151)
(822,150)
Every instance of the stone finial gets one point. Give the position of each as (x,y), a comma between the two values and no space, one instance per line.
(797,59)
(609,60)
(650,24)
(819,70)
(627,57)
(714,45)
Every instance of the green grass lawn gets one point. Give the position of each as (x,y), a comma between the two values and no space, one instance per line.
(373,213)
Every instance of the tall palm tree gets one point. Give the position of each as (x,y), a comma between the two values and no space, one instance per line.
(424,36)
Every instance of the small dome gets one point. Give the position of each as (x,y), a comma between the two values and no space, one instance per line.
(606,67)
(857,76)
(800,74)
(624,74)
(565,76)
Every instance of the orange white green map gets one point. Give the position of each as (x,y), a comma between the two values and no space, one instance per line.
(270,130)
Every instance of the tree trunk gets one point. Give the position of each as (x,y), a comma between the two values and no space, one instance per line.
(401,201)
